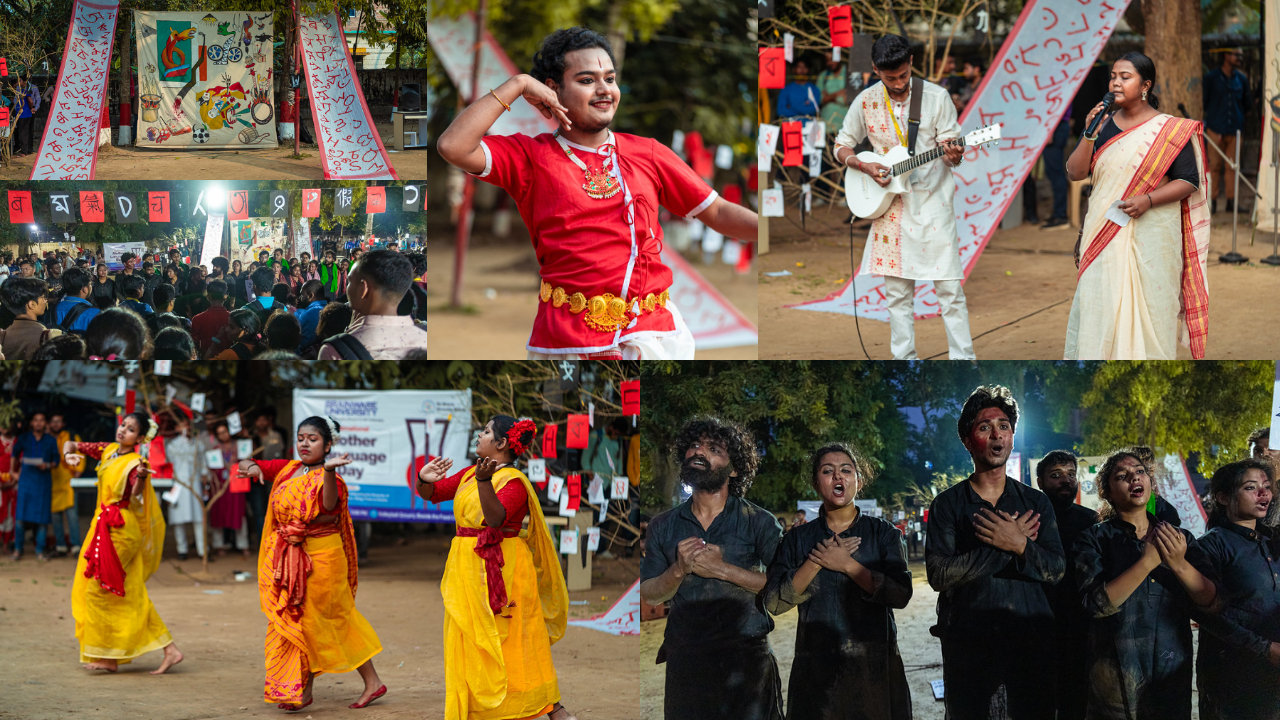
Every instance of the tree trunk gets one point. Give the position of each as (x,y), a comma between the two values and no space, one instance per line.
(126,62)
(1173,44)
(617,34)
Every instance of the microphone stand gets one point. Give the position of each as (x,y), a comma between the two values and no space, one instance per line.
(1233,257)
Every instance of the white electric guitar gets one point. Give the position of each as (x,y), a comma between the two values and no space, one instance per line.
(868,200)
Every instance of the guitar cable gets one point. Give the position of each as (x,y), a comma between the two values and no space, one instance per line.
(853,285)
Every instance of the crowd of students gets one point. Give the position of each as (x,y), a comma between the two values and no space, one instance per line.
(1046,608)
(369,306)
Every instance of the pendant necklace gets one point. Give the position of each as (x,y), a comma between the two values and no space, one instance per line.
(600,184)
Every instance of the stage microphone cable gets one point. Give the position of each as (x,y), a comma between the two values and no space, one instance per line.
(853,285)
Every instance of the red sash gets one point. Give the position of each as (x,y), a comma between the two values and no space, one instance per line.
(1164,150)
(291,564)
(102,561)
(489,548)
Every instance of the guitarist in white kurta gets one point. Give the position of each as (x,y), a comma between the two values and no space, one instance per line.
(916,238)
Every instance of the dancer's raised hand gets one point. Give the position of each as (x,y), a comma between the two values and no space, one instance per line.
(435,471)
(485,468)
(251,470)
(336,461)
(544,100)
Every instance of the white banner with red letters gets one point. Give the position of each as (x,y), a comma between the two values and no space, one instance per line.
(350,146)
(1028,89)
(713,320)
(69,145)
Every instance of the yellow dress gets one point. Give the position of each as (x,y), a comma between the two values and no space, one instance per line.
(110,626)
(313,622)
(498,666)
(63,496)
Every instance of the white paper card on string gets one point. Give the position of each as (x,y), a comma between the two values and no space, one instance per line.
(712,241)
(555,484)
(568,542)
(172,494)
(618,489)
(771,204)
(163,367)
(120,386)
(815,164)
(696,229)
(169,392)
(807,193)
(806,138)
(788,47)
(593,539)
(213,459)
(591,414)
(564,506)
(244,449)
(732,253)
(724,157)
(604,512)
(595,491)
(766,146)
(818,133)
(537,471)
(197,402)
(233,423)
(677,142)
(835,54)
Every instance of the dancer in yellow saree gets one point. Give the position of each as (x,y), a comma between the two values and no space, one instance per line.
(504,597)
(1142,283)
(307,573)
(115,620)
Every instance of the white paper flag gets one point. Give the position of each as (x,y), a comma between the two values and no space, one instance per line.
(537,471)
(120,386)
(233,423)
(172,494)
(766,146)
(618,490)
(197,402)
(677,142)
(555,484)
(807,194)
(835,54)
(724,157)
(604,512)
(591,414)
(169,392)
(815,163)
(213,459)
(712,241)
(595,491)
(788,47)
(772,204)
(818,133)
(806,138)
(568,542)
(732,253)
(244,449)
(564,506)
(163,367)
(593,539)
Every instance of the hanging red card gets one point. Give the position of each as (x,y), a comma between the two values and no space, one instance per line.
(20,206)
(630,397)
(773,68)
(239,483)
(311,203)
(4,68)
(792,144)
(4,117)
(840,20)
(732,194)
(160,465)
(744,258)
(577,432)
(549,441)
(238,205)
(130,397)
(158,203)
(92,208)
(375,199)
(573,484)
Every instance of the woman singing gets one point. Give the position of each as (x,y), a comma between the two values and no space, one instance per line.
(307,574)
(115,620)
(1138,283)
(504,597)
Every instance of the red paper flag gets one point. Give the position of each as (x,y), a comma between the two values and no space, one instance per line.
(239,483)
(4,117)
(549,441)
(311,203)
(130,397)
(375,199)
(92,208)
(744,259)
(20,206)
(792,144)
(573,484)
(238,205)
(4,68)
(160,465)
(630,397)
(732,194)
(773,68)
(577,432)
(158,202)
(840,19)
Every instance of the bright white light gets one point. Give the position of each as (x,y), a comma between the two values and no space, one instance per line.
(35,227)
(215,195)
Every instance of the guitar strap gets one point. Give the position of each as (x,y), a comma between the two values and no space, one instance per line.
(913,114)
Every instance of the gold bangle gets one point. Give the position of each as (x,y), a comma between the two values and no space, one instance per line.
(495,97)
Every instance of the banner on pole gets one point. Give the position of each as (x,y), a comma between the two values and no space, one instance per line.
(111,253)
(1270,121)
(391,434)
(212,239)
(253,235)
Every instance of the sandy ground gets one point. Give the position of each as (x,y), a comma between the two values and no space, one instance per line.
(921,652)
(500,290)
(132,163)
(220,628)
(1022,271)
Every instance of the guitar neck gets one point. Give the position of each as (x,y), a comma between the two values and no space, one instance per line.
(907,166)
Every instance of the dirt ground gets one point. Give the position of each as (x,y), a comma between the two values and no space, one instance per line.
(500,290)
(1019,295)
(921,652)
(132,163)
(220,629)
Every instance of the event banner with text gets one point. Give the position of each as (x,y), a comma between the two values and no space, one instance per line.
(390,436)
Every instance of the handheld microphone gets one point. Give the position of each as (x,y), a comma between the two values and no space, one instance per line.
(1097,119)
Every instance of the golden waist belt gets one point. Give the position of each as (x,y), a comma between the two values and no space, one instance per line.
(604,313)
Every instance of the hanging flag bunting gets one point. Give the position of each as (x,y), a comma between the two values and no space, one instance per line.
(126,209)
(630,397)
(238,205)
(375,199)
(279,204)
(92,207)
(773,68)
(792,144)
(577,432)
(20,210)
(840,23)
(311,203)
(411,199)
(343,199)
(158,204)
(549,440)
(60,207)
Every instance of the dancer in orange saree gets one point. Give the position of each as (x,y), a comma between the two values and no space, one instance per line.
(307,573)
(1143,281)
(115,620)
(504,597)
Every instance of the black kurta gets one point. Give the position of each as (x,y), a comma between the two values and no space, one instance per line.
(1235,679)
(1069,616)
(1140,652)
(716,644)
(846,665)
(994,617)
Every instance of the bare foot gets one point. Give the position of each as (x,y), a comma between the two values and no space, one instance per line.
(108,665)
(172,656)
